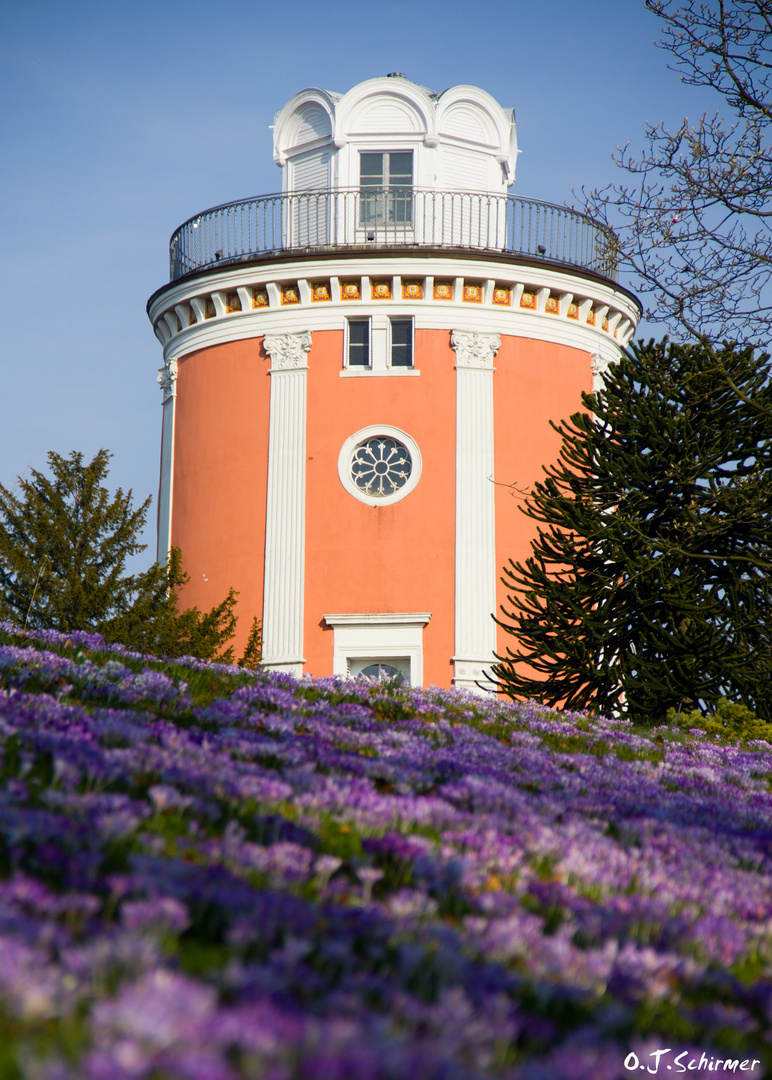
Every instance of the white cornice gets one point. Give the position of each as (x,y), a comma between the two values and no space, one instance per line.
(573,294)
(383,265)
(388,618)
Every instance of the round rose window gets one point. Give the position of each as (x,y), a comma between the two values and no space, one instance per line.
(380,467)
(380,464)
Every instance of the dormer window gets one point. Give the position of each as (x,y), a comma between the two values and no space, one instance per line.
(386,188)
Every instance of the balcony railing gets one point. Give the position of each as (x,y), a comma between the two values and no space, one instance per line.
(355,219)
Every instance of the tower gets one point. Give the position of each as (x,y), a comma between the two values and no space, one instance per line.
(359,374)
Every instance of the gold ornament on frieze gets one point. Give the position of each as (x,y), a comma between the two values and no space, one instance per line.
(443,290)
(502,295)
(350,290)
(320,290)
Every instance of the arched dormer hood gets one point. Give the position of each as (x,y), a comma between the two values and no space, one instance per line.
(459,140)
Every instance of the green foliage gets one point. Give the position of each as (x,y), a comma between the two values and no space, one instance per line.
(64,541)
(166,631)
(253,652)
(648,586)
(63,546)
(731,720)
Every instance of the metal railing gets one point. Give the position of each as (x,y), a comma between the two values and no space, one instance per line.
(397,217)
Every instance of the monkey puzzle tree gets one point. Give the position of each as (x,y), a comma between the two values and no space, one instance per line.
(649,584)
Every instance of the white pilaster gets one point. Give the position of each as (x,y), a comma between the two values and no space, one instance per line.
(475,637)
(286,507)
(167,380)
(600,366)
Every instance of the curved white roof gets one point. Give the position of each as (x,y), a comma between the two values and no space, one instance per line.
(461,139)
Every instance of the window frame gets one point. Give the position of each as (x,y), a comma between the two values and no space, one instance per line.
(390,345)
(390,204)
(347,351)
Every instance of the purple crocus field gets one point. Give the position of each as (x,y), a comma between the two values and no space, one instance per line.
(207,873)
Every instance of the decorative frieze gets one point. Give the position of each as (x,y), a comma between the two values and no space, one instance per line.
(285,299)
(443,290)
(290,294)
(381,290)
(502,296)
(320,292)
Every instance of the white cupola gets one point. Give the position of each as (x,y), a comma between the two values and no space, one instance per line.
(391,133)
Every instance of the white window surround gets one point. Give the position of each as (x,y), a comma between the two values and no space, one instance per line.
(347,346)
(387,431)
(385,188)
(380,348)
(379,636)
(390,345)
(363,665)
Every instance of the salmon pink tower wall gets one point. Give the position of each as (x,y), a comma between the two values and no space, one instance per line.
(359,376)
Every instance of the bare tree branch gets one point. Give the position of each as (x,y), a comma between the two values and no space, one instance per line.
(695,220)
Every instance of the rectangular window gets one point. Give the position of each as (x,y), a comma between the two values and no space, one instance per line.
(386,188)
(401,343)
(358,342)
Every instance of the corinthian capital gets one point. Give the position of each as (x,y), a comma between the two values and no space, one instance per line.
(287,350)
(167,379)
(475,350)
(600,367)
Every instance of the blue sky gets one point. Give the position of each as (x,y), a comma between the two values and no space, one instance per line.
(119,121)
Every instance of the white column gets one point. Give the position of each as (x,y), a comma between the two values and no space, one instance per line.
(167,380)
(286,507)
(475,640)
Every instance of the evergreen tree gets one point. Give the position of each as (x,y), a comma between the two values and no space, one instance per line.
(64,541)
(253,652)
(648,586)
